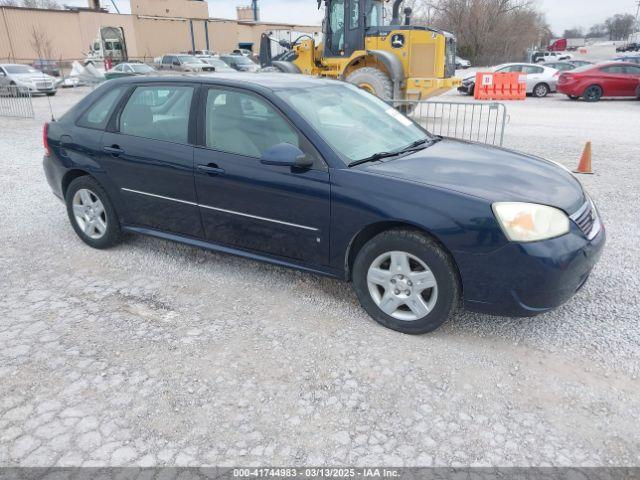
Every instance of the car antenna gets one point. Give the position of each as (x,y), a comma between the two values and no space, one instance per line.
(53,118)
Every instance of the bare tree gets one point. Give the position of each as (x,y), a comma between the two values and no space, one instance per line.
(9,3)
(620,26)
(41,44)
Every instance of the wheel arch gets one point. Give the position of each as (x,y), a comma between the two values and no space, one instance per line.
(360,239)
(391,63)
(592,84)
(70,176)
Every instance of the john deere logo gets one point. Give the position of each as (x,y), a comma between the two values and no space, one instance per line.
(397,40)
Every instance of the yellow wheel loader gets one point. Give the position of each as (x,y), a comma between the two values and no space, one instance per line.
(398,61)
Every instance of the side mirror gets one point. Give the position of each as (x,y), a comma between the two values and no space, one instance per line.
(285,155)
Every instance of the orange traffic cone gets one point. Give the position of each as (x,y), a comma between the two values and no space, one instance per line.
(585,161)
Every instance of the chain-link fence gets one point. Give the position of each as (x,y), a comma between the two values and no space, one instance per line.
(15,102)
(476,122)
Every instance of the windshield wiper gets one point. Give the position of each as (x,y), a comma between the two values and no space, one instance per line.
(413,147)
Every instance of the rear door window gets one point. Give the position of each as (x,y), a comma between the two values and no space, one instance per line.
(159,112)
(98,114)
(613,69)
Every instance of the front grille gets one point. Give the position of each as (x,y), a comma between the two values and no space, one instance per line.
(44,85)
(586,219)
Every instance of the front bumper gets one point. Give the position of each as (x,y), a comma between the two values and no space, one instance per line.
(467,88)
(526,279)
(31,88)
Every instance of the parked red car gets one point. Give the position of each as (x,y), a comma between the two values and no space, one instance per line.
(592,82)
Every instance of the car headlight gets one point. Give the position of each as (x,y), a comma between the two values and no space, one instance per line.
(530,222)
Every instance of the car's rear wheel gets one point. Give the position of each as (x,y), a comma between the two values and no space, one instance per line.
(541,90)
(92,214)
(592,94)
(406,282)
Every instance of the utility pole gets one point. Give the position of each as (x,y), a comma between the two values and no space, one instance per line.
(637,25)
(256,17)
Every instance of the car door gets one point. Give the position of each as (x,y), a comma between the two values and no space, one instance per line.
(629,81)
(147,152)
(612,80)
(534,75)
(274,210)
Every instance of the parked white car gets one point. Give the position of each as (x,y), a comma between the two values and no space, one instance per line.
(543,57)
(25,79)
(541,80)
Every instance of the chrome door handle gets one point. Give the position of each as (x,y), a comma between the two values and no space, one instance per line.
(114,150)
(211,169)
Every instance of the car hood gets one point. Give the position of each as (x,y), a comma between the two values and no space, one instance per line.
(494,174)
(31,77)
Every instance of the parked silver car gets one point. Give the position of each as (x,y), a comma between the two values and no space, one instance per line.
(183,63)
(16,78)
(541,80)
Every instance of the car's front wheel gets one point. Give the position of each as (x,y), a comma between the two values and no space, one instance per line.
(91,213)
(406,282)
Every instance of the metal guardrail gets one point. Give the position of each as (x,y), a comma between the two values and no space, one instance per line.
(475,122)
(15,102)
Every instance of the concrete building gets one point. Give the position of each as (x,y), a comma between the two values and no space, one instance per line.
(153,27)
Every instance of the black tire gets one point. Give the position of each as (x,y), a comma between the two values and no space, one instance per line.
(427,251)
(113,234)
(592,94)
(51,94)
(573,97)
(376,80)
(541,90)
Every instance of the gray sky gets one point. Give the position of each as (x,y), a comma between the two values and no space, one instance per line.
(565,14)
(561,14)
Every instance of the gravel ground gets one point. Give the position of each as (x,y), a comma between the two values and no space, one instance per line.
(155,353)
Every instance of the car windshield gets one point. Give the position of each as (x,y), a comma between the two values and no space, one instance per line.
(219,64)
(188,59)
(356,124)
(19,69)
(141,68)
(240,60)
(581,69)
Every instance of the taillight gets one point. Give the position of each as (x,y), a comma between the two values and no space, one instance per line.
(45,139)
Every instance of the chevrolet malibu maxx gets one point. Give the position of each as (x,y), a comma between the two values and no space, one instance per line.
(321,176)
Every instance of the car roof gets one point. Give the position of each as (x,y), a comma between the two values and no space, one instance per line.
(607,64)
(270,81)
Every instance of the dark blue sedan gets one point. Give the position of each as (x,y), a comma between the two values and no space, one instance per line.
(321,176)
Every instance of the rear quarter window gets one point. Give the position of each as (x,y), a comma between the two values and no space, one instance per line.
(97,115)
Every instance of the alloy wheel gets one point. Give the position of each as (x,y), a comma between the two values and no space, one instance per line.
(592,94)
(541,91)
(402,286)
(89,213)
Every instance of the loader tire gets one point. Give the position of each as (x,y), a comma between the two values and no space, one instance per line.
(373,81)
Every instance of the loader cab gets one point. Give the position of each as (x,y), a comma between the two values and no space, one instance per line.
(345,23)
